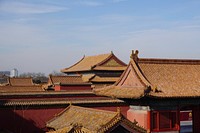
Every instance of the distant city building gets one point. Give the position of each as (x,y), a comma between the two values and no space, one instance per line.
(6,73)
(14,73)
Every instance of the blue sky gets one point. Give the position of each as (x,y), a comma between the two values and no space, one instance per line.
(48,35)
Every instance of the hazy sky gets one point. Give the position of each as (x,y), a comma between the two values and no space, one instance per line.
(48,35)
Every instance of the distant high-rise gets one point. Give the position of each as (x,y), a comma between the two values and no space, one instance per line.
(14,73)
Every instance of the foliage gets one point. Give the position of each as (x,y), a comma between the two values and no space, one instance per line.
(37,77)
(56,73)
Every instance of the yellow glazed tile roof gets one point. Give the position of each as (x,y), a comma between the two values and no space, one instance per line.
(172,78)
(104,79)
(87,120)
(88,63)
(66,80)
(21,89)
(121,92)
(20,81)
(156,78)
(92,119)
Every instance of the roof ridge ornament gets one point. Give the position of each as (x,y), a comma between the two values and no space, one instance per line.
(134,55)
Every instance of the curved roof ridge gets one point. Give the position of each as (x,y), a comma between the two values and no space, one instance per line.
(140,74)
(137,70)
(121,90)
(63,70)
(103,60)
(111,123)
(87,63)
(109,57)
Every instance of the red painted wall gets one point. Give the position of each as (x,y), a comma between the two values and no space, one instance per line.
(186,115)
(26,120)
(72,87)
(140,116)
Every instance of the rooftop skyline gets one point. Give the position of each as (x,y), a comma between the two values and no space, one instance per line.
(48,35)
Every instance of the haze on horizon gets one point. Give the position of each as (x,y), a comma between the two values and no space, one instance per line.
(48,35)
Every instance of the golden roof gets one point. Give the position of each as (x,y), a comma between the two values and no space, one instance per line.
(131,84)
(91,119)
(80,119)
(121,92)
(20,81)
(22,89)
(20,85)
(66,80)
(104,79)
(172,78)
(98,62)
(156,78)
(63,101)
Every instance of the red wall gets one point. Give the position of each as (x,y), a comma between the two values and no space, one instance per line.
(26,120)
(140,116)
(71,88)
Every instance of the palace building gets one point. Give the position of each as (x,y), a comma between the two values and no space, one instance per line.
(157,90)
(100,70)
(20,85)
(68,83)
(26,107)
(150,93)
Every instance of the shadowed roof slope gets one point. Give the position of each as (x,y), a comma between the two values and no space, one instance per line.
(95,63)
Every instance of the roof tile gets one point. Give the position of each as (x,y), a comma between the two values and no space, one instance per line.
(88,63)
(173,79)
(89,120)
(22,89)
(66,79)
(20,81)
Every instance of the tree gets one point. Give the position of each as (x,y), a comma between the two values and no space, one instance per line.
(37,77)
(56,73)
